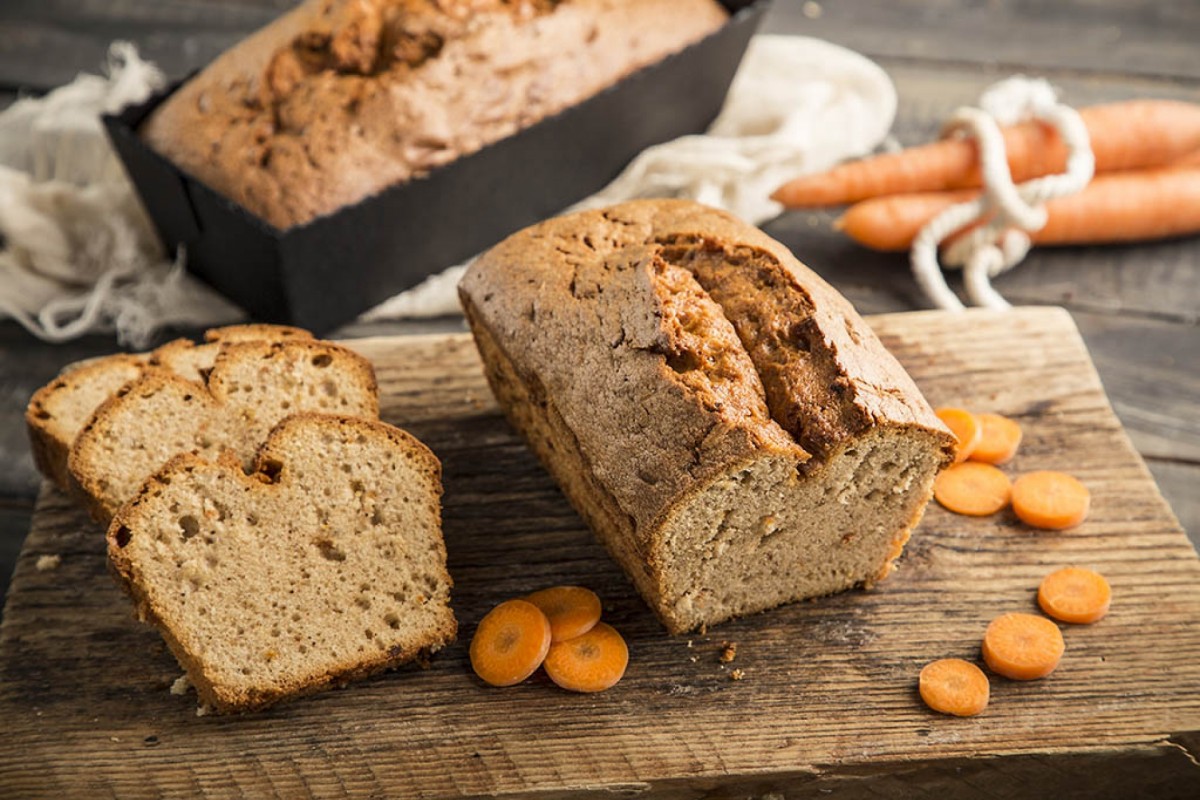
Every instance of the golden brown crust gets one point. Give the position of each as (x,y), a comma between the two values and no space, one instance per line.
(598,334)
(559,286)
(273,456)
(339,99)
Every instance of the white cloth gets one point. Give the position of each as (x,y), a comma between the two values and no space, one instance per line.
(80,255)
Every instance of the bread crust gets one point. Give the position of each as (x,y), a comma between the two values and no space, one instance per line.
(339,99)
(562,331)
(271,456)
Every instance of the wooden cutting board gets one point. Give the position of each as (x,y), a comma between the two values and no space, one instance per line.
(828,704)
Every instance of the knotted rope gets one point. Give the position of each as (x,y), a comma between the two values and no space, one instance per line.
(1005,213)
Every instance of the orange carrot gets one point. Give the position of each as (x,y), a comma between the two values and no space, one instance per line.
(510,643)
(1050,500)
(973,489)
(1023,647)
(1074,594)
(1192,159)
(1000,439)
(1132,206)
(966,430)
(589,663)
(1129,135)
(572,610)
(954,686)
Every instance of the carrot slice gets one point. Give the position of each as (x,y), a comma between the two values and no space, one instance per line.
(954,686)
(1023,647)
(1074,594)
(589,663)
(999,440)
(1051,500)
(572,610)
(965,427)
(510,643)
(973,489)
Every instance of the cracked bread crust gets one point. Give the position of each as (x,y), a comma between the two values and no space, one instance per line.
(339,99)
(377,555)
(664,349)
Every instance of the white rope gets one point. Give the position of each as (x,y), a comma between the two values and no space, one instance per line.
(1005,213)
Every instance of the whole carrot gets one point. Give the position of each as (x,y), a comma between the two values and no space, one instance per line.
(1130,135)
(1117,207)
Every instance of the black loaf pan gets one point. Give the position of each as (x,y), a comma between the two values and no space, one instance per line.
(328,271)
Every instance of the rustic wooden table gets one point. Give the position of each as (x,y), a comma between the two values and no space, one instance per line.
(1137,306)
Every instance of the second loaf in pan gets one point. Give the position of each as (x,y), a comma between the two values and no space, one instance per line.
(338,99)
(725,422)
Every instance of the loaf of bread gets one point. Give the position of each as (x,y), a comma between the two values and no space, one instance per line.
(725,422)
(339,99)
(59,410)
(325,564)
(251,387)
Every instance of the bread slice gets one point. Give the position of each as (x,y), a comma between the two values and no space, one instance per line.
(725,422)
(324,565)
(58,411)
(193,361)
(250,388)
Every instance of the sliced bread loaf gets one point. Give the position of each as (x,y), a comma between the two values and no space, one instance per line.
(193,361)
(58,411)
(250,388)
(726,423)
(324,565)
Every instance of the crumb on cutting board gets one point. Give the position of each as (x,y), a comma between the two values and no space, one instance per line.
(181,685)
(48,562)
(737,675)
(728,652)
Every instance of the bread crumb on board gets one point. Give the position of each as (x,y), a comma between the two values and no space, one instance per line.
(737,675)
(728,652)
(48,562)
(181,685)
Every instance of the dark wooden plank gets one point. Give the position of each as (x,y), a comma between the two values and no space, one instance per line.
(1143,37)
(827,707)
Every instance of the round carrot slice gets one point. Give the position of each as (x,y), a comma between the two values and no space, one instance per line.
(1023,647)
(965,427)
(998,441)
(572,610)
(510,643)
(1051,500)
(954,686)
(1074,594)
(973,489)
(589,663)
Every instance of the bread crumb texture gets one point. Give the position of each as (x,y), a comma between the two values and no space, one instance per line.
(325,564)
(48,562)
(339,99)
(733,431)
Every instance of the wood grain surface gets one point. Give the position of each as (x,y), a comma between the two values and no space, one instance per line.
(827,707)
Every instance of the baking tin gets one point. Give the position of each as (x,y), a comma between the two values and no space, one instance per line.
(328,271)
